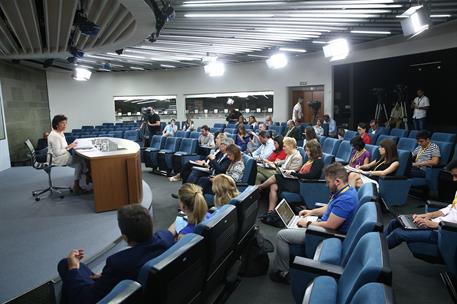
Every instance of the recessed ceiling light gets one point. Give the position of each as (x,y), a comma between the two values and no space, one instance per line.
(319,42)
(136,68)
(371,32)
(168,66)
(285,49)
(440,16)
(234,15)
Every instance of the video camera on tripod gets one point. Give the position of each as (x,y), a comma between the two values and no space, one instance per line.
(380,94)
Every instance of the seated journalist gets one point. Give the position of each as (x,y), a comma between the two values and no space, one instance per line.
(81,285)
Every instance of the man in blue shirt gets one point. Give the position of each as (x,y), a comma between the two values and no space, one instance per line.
(336,215)
(81,285)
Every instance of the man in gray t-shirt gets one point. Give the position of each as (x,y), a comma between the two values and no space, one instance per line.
(206,139)
(427,154)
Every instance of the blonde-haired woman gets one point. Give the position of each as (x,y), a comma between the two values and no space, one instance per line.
(224,188)
(193,204)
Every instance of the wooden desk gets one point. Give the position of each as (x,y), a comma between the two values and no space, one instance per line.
(116,175)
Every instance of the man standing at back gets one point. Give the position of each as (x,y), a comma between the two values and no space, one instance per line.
(81,285)
(297,112)
(420,105)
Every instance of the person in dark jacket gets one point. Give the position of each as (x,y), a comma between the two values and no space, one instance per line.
(291,130)
(287,180)
(81,285)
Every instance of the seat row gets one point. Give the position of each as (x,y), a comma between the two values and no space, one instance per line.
(199,263)
(396,133)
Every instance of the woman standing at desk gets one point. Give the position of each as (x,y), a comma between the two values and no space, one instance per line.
(59,149)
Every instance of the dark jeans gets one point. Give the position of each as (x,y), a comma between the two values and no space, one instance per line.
(395,235)
(416,172)
(194,176)
(62,268)
(419,124)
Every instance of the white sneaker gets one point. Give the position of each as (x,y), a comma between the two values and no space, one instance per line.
(174,179)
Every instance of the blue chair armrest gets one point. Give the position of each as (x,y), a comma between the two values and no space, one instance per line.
(122,291)
(447,244)
(316,267)
(431,206)
(314,293)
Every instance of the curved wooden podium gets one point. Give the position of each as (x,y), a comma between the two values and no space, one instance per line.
(116,175)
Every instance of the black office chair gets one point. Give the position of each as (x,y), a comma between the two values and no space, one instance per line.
(46,166)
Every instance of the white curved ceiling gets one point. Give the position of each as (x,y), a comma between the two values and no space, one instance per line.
(233,30)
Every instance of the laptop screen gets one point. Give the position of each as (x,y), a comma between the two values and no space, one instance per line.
(284,211)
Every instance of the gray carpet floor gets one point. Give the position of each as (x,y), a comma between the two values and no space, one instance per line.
(34,236)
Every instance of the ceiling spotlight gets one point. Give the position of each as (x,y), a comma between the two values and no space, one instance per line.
(215,68)
(86,26)
(277,61)
(416,20)
(81,74)
(47,63)
(119,52)
(76,52)
(336,49)
(285,49)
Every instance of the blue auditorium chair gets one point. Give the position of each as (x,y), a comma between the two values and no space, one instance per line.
(349,134)
(87,128)
(187,150)
(398,132)
(220,233)
(368,263)
(321,139)
(382,137)
(232,136)
(216,130)
(126,291)
(194,134)
(379,131)
(331,145)
(344,152)
(131,135)
(70,139)
(184,265)
(311,191)
(276,130)
(413,133)
(162,125)
(302,153)
(165,155)
(374,293)
(118,134)
(150,153)
(231,125)
(108,124)
(443,252)
(444,137)
(182,134)
(230,130)
(394,189)
(327,246)
(374,151)
(326,128)
(219,125)
(431,174)
(249,173)
(408,144)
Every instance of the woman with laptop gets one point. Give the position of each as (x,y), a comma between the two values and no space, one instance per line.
(425,225)
(287,180)
(386,165)
(285,151)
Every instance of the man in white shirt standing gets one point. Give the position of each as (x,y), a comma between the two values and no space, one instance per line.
(420,105)
(395,234)
(297,112)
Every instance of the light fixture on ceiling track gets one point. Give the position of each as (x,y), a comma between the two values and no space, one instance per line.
(415,21)
(81,74)
(277,61)
(336,49)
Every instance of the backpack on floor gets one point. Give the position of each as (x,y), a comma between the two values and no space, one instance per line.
(255,261)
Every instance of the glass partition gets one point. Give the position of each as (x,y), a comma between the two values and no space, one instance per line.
(218,105)
(131,108)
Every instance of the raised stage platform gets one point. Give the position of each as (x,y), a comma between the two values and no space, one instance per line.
(34,236)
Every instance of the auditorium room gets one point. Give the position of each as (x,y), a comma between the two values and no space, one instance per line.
(228,151)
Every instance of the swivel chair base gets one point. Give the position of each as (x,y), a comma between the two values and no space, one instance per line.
(53,189)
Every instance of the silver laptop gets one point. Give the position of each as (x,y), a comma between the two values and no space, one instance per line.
(288,217)
(407,221)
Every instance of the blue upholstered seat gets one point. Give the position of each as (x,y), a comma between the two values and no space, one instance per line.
(183,134)
(398,132)
(369,262)
(374,151)
(230,130)
(150,153)
(195,134)
(131,135)
(175,161)
(331,145)
(349,134)
(344,152)
(249,173)
(374,293)
(219,125)
(165,155)
(444,137)
(184,264)
(126,291)
(323,247)
(406,143)
(382,137)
